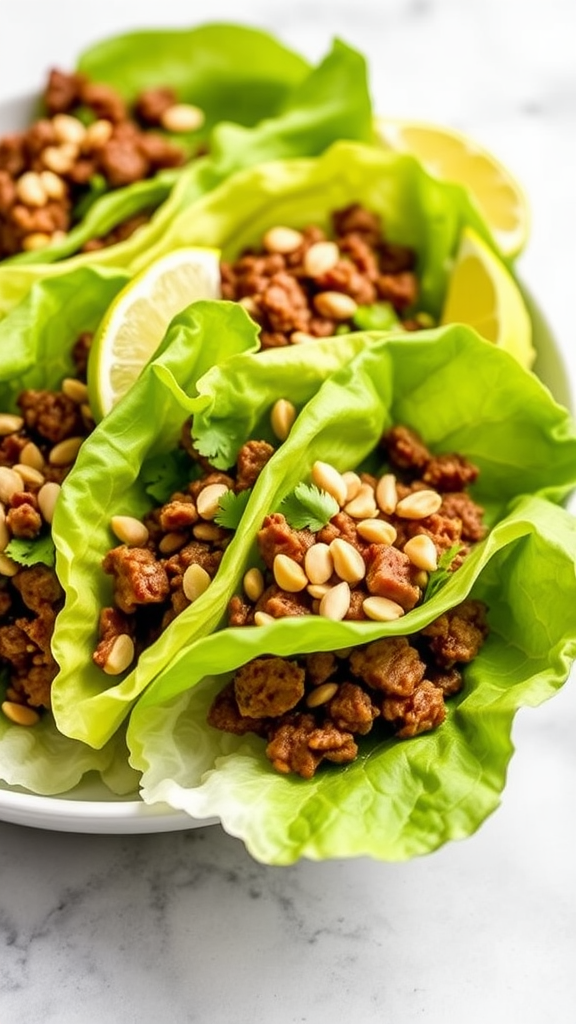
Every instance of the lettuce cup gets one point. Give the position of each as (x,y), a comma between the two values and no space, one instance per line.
(277,107)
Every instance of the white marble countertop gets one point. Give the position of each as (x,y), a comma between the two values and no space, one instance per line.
(185,927)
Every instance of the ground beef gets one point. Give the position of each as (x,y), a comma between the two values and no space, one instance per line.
(51,414)
(268,687)
(276,537)
(250,462)
(390,665)
(456,637)
(390,574)
(138,577)
(422,711)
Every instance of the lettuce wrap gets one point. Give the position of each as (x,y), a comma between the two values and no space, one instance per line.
(527,445)
(310,109)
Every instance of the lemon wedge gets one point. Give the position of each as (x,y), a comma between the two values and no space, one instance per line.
(483,294)
(452,156)
(137,319)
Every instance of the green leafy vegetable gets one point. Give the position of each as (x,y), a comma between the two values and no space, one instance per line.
(231,508)
(31,552)
(441,575)
(308,506)
(381,316)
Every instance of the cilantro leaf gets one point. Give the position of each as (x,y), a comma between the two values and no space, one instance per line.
(32,551)
(164,474)
(380,316)
(441,575)
(308,506)
(231,509)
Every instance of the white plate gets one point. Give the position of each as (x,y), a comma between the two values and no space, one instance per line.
(90,807)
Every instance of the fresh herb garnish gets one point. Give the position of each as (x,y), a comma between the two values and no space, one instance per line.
(308,506)
(380,316)
(440,576)
(32,551)
(231,509)
(164,474)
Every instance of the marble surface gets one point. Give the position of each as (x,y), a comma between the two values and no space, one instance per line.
(185,926)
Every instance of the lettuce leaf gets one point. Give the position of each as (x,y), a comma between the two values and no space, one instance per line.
(399,799)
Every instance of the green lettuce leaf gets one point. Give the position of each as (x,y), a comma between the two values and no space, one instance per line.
(400,798)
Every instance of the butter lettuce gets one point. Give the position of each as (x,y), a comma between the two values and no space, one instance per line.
(310,108)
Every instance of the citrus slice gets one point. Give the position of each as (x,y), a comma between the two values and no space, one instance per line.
(454,157)
(483,294)
(137,319)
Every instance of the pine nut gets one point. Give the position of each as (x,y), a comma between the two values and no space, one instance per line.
(387,493)
(182,117)
(87,415)
(208,531)
(321,694)
(301,338)
(363,506)
(97,135)
(253,584)
(11,483)
(263,619)
(29,474)
(172,542)
(195,581)
(320,258)
(59,159)
(47,497)
(418,504)
(68,129)
(421,551)
(282,240)
(348,562)
(8,567)
(376,531)
(10,424)
(5,535)
(121,655)
(249,304)
(335,604)
(288,574)
(335,305)
(208,500)
(20,714)
(353,484)
(75,389)
(327,478)
(317,590)
(318,563)
(130,530)
(382,609)
(420,579)
(64,453)
(30,190)
(36,240)
(31,455)
(53,185)
(282,418)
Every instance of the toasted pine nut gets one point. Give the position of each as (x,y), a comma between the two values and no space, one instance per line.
(10,483)
(208,531)
(282,239)
(121,655)
(36,240)
(386,493)
(182,117)
(130,530)
(320,258)
(7,566)
(249,304)
(282,418)
(64,453)
(321,694)
(377,531)
(172,542)
(30,455)
(68,129)
(318,563)
(59,159)
(335,604)
(317,590)
(363,506)
(263,619)
(382,609)
(47,497)
(75,389)
(20,714)
(253,584)
(87,415)
(335,305)
(4,531)
(30,189)
(288,574)
(29,474)
(348,562)
(420,579)
(195,581)
(421,551)
(353,484)
(97,134)
(208,500)
(419,504)
(10,424)
(53,184)
(301,338)
(327,478)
